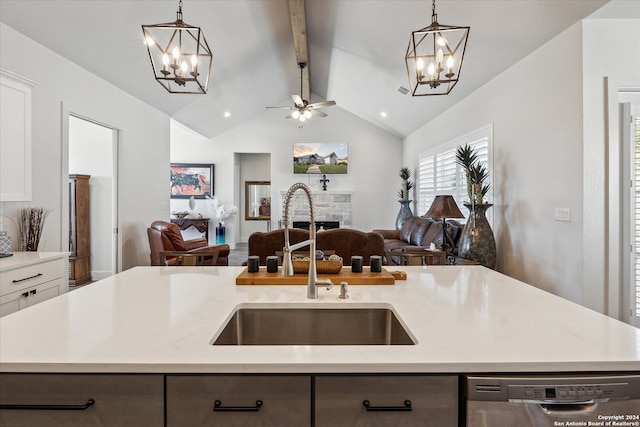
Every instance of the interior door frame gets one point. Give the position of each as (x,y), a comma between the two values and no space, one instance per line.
(66,112)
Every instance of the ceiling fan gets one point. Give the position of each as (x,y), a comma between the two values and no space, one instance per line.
(302,109)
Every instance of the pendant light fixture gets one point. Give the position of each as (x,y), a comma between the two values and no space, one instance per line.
(179,54)
(434,57)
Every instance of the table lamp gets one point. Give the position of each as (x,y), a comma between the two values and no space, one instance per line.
(444,207)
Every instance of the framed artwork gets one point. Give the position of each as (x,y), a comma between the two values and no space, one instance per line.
(320,158)
(189,179)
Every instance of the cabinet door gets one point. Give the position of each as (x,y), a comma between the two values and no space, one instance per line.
(66,400)
(44,292)
(13,302)
(387,400)
(237,400)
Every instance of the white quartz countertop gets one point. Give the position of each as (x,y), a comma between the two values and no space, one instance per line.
(23,259)
(464,318)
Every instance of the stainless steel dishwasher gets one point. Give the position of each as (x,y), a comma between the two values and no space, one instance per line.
(552,401)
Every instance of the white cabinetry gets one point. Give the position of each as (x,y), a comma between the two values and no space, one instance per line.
(15,137)
(28,278)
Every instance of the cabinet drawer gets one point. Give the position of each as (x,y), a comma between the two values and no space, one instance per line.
(27,297)
(59,399)
(283,400)
(32,275)
(433,401)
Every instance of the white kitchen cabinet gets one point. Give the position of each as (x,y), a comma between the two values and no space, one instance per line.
(386,400)
(28,278)
(81,400)
(15,137)
(239,400)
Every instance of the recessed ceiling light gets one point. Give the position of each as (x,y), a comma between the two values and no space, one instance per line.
(383,113)
(227,114)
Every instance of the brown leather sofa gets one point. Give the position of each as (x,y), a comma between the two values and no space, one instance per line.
(344,241)
(166,237)
(418,233)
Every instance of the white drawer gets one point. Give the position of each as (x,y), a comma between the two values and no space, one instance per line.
(29,276)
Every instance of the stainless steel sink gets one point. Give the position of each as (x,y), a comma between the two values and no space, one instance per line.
(313,326)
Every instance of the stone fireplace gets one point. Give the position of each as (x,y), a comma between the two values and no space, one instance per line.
(329,206)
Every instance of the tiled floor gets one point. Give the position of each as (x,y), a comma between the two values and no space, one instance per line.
(238,255)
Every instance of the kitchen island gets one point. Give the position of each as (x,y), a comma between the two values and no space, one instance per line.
(150,330)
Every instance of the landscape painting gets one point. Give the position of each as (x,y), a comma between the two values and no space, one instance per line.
(320,158)
(188,179)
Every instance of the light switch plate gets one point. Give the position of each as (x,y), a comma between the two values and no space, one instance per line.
(562,214)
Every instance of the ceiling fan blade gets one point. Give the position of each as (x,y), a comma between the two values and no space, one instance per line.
(322,104)
(297,100)
(317,113)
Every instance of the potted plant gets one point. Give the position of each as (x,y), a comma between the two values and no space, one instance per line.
(405,174)
(475,171)
(476,242)
(403,193)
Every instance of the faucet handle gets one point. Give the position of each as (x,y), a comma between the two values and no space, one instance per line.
(344,290)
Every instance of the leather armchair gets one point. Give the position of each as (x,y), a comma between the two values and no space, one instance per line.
(166,237)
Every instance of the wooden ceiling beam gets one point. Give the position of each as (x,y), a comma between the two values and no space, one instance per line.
(297,16)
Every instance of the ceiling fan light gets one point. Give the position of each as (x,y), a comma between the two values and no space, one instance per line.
(295,114)
(307,114)
(302,118)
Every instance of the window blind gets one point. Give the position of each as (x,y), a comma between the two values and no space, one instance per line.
(440,174)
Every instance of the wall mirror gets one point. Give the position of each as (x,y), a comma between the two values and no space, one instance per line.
(257,205)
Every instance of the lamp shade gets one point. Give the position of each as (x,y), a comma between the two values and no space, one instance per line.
(444,207)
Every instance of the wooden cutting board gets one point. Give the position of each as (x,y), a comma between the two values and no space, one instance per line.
(364,278)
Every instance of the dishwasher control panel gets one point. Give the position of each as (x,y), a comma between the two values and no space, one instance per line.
(566,393)
(552,389)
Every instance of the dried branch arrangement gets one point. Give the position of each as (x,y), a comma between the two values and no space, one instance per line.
(30,224)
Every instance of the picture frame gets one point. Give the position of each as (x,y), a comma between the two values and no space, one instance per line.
(191,180)
(320,158)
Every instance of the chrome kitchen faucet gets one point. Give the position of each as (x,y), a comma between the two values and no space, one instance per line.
(287,265)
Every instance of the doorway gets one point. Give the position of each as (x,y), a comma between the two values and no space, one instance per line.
(93,151)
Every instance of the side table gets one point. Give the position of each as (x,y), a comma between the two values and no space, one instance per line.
(415,257)
(201,224)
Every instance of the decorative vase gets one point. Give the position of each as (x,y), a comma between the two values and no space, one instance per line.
(220,232)
(477,242)
(405,212)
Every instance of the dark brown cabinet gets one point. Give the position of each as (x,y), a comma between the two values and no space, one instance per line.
(79,230)
(81,400)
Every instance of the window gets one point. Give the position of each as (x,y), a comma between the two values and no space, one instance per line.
(440,174)
(635,207)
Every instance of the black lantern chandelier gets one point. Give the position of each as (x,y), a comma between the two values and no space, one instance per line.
(434,57)
(180,56)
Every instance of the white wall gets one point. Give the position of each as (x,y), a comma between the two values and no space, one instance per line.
(536,110)
(144,133)
(90,153)
(612,50)
(375,158)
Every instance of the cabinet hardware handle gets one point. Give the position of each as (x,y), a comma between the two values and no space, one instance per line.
(33,291)
(27,278)
(25,294)
(368,407)
(86,406)
(217,407)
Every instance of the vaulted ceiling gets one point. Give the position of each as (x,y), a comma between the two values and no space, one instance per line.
(356,50)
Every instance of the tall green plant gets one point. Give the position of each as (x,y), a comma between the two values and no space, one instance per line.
(476,173)
(405,174)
